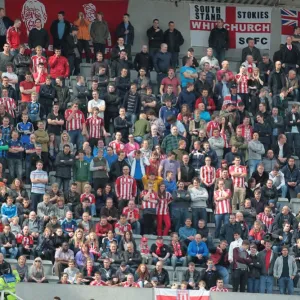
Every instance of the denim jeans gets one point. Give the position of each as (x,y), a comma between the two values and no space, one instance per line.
(197,214)
(223,272)
(266,284)
(293,141)
(13,252)
(93,209)
(286,285)
(253,165)
(219,54)
(253,285)
(132,117)
(179,215)
(76,138)
(219,219)
(15,168)
(63,183)
(136,227)
(155,260)
(178,261)
(284,190)
(35,200)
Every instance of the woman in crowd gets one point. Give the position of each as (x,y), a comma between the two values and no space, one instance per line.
(22,268)
(141,275)
(66,140)
(163,214)
(126,238)
(82,256)
(36,272)
(18,191)
(77,240)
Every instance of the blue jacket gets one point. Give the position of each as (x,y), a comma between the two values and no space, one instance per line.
(195,249)
(185,232)
(8,211)
(68,226)
(170,186)
(188,98)
(205,116)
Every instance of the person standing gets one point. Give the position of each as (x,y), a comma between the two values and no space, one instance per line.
(72,51)
(59,65)
(156,37)
(13,37)
(38,36)
(5,23)
(174,39)
(83,36)
(5,58)
(285,270)
(126,31)
(39,179)
(60,29)
(99,33)
(251,50)
(126,188)
(219,40)
(241,260)
(162,62)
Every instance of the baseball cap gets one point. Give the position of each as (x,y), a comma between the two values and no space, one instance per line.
(233,86)
(123,264)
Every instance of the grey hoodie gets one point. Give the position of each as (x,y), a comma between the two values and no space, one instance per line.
(256,150)
(199,197)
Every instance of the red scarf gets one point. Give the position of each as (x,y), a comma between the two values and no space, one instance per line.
(177,249)
(89,271)
(158,249)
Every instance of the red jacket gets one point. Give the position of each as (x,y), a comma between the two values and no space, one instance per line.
(25,240)
(101,230)
(216,257)
(13,37)
(210,102)
(59,66)
(221,72)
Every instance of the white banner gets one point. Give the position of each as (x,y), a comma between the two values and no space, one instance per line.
(241,22)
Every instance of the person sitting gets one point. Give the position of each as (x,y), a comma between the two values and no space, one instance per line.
(207,100)
(36,272)
(197,251)
(132,256)
(160,252)
(160,275)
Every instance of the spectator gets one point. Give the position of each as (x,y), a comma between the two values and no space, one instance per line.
(251,50)
(60,29)
(36,272)
(13,37)
(5,57)
(125,30)
(8,242)
(277,80)
(38,36)
(229,230)
(7,22)
(62,257)
(197,250)
(155,37)
(160,275)
(143,60)
(162,62)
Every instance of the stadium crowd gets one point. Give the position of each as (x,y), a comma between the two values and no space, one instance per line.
(86,170)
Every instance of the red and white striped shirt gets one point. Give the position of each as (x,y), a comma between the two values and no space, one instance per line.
(215,289)
(151,202)
(222,206)
(242,86)
(208,174)
(9,104)
(211,126)
(36,60)
(238,182)
(246,132)
(127,285)
(95,125)
(91,197)
(76,122)
(98,283)
(130,214)
(266,220)
(163,205)
(122,228)
(126,187)
(117,146)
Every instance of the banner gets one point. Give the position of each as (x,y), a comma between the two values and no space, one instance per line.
(170,294)
(46,10)
(289,20)
(241,22)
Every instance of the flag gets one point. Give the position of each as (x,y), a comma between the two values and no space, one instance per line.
(241,22)
(170,294)
(289,20)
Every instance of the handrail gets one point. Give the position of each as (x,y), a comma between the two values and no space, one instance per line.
(9,292)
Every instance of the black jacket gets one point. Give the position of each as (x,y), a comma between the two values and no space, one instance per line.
(187,176)
(120,32)
(163,277)
(11,92)
(219,38)
(47,93)
(290,56)
(227,231)
(115,52)
(269,194)
(273,84)
(10,238)
(112,102)
(196,276)
(254,52)
(5,268)
(45,244)
(54,32)
(264,130)
(123,126)
(286,150)
(116,168)
(122,86)
(38,38)
(70,45)
(78,211)
(254,267)
(63,96)
(280,219)
(143,60)
(279,125)
(178,40)
(286,242)
(262,259)
(137,106)
(290,122)
(117,66)
(133,259)
(22,64)
(155,38)
(7,22)
(64,163)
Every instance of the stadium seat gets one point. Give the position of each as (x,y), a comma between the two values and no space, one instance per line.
(13,262)
(85,69)
(137,238)
(153,77)
(295,205)
(133,75)
(179,271)
(52,278)
(48,267)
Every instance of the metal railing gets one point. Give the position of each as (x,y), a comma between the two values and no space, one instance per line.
(10,293)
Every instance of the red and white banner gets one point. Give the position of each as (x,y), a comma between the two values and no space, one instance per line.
(46,10)
(241,22)
(170,294)
(289,20)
